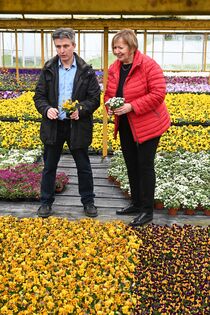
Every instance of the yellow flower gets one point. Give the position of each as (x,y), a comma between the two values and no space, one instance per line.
(69,106)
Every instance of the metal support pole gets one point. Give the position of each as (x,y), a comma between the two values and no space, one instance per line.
(105,120)
(16,56)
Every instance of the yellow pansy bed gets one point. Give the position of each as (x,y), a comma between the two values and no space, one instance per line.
(54,266)
(20,107)
(22,134)
(187,107)
(25,134)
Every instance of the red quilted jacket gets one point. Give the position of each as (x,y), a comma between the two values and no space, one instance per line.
(145,90)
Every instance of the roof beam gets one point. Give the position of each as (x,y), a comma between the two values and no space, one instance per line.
(161,7)
(111,24)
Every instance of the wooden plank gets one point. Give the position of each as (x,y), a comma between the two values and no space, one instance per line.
(97,181)
(100,191)
(93,158)
(100,173)
(67,164)
(99,201)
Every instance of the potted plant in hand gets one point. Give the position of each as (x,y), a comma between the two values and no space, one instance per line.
(70,106)
(115,102)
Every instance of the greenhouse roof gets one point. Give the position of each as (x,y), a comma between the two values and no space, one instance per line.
(98,15)
(157,7)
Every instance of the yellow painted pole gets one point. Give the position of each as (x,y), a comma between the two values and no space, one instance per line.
(105,120)
(145,42)
(205,51)
(42,47)
(78,49)
(16,56)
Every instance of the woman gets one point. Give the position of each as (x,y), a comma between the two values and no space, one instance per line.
(141,120)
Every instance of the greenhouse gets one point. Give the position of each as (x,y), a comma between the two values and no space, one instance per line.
(69,262)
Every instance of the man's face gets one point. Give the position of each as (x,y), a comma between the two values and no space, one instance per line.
(65,49)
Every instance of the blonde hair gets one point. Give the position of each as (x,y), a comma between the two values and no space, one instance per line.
(129,38)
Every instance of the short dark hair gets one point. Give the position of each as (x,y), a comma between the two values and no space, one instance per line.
(129,38)
(64,33)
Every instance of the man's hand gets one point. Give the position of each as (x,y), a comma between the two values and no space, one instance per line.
(75,115)
(52,113)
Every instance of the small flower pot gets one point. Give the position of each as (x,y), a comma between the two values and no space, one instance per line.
(172,211)
(206,212)
(159,205)
(199,208)
(189,211)
(111,178)
(126,194)
(59,189)
(117,183)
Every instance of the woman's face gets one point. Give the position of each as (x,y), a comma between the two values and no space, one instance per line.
(122,51)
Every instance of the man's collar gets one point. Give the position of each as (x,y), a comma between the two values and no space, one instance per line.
(73,63)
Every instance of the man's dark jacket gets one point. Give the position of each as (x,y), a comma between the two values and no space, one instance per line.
(85,89)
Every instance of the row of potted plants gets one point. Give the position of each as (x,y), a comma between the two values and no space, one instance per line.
(20,174)
(13,157)
(176,82)
(25,134)
(182,178)
(186,107)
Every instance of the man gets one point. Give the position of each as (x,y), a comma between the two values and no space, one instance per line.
(66,76)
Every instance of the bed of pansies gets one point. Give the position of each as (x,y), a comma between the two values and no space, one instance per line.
(172,275)
(190,109)
(54,266)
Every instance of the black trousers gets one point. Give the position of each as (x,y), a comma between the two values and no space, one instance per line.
(52,155)
(139,160)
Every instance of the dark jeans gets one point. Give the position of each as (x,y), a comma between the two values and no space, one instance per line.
(139,159)
(52,155)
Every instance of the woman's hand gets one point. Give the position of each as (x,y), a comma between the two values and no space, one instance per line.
(110,112)
(124,109)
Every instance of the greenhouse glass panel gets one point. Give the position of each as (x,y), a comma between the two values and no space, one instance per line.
(172,61)
(90,49)
(7,49)
(158,43)
(21,51)
(111,57)
(31,53)
(48,47)
(193,43)
(208,54)
(173,43)
(150,43)
(140,38)
(192,61)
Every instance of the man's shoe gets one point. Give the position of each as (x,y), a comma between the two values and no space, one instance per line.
(90,210)
(44,211)
(142,219)
(130,209)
